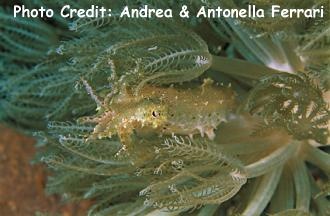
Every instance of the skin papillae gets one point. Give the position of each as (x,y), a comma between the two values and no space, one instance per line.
(191,111)
(150,117)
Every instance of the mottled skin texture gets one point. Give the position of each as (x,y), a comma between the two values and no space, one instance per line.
(192,111)
(183,111)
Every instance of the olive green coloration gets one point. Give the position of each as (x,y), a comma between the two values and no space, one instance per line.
(121,106)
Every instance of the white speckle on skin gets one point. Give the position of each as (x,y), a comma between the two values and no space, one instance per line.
(210,133)
(201,130)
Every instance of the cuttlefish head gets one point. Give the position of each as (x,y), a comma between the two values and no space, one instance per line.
(154,114)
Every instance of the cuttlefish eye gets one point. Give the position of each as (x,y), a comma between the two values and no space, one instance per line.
(155,114)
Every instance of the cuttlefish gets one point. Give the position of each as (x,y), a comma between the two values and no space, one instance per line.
(164,111)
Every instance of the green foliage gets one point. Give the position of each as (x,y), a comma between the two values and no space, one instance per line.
(49,86)
(189,173)
(202,175)
(291,102)
(40,93)
(135,60)
(313,41)
(289,44)
(23,40)
(292,212)
(325,190)
(267,24)
(185,59)
(322,72)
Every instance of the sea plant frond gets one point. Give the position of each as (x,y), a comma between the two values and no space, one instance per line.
(292,212)
(108,100)
(24,40)
(155,60)
(206,177)
(261,197)
(325,190)
(291,102)
(267,23)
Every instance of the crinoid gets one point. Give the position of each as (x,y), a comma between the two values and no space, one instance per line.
(175,117)
(292,102)
(196,174)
